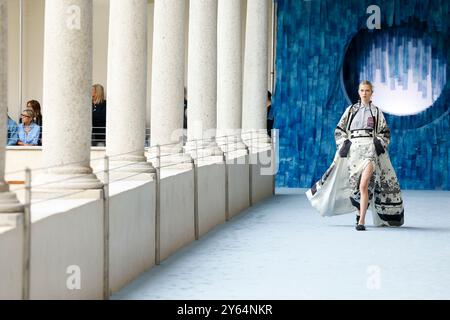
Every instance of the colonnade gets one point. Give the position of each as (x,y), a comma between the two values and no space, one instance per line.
(225,92)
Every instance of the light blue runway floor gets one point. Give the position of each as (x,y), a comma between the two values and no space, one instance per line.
(282,249)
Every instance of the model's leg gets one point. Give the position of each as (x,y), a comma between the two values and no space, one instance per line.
(364,191)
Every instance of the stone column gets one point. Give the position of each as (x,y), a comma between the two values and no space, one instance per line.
(202,78)
(254,115)
(67,95)
(127,85)
(229,75)
(167,101)
(8,199)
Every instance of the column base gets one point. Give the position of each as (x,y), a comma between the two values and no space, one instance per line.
(68,182)
(256,140)
(166,149)
(231,144)
(11,219)
(131,166)
(172,161)
(122,170)
(9,203)
(66,178)
(202,150)
(235,154)
(41,194)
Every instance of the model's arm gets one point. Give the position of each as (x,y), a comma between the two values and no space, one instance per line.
(341,136)
(383,132)
(340,133)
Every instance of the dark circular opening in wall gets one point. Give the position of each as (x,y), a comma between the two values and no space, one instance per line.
(406,64)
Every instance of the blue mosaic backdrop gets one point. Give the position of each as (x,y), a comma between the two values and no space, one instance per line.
(309,99)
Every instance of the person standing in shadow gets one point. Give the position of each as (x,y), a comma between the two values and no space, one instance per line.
(269,114)
(98,116)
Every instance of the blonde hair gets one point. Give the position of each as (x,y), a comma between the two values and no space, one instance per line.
(367,83)
(99,93)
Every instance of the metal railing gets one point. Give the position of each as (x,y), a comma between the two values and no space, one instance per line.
(98,136)
(158,164)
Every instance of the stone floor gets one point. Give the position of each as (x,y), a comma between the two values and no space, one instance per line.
(281,249)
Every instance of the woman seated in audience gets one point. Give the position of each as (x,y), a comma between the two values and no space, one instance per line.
(28,130)
(35,106)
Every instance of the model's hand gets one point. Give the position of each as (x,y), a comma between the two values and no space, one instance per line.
(378,146)
(343,152)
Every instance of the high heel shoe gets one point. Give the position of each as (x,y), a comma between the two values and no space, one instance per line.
(360,227)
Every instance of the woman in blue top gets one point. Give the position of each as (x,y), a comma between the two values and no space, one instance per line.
(12,136)
(28,130)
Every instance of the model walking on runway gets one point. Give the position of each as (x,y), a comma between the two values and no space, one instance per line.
(361,175)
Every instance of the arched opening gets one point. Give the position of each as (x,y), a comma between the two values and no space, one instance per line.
(406,64)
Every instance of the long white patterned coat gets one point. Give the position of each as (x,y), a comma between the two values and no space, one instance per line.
(337,192)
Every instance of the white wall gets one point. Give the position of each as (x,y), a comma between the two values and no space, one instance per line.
(262,182)
(70,237)
(70,232)
(177,211)
(211,196)
(132,232)
(10,263)
(238,185)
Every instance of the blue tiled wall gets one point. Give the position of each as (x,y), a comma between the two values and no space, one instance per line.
(312,37)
